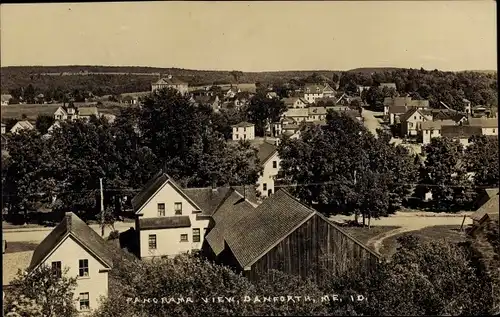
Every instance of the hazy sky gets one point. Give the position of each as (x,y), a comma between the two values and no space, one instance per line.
(253,36)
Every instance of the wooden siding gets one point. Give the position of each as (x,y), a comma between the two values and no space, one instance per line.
(313,249)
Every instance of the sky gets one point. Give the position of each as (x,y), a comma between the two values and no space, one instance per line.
(253,36)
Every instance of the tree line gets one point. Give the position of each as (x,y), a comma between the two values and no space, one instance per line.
(435,86)
(62,169)
(344,168)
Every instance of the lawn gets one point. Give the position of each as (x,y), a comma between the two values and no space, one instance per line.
(449,233)
(32,111)
(365,234)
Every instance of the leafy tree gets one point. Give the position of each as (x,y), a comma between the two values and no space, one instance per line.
(276,284)
(444,174)
(28,161)
(54,294)
(9,123)
(184,139)
(185,276)
(43,123)
(348,169)
(481,157)
(262,111)
(23,307)
(439,272)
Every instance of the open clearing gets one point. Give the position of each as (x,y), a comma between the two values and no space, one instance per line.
(32,111)
(365,234)
(448,233)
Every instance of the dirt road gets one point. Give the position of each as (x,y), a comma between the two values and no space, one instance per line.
(410,221)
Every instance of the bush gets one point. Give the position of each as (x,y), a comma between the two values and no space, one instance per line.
(113,235)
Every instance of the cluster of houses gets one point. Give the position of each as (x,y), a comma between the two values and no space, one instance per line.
(416,120)
(227,225)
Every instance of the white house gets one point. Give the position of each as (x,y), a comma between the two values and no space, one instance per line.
(54,126)
(270,162)
(317,91)
(72,112)
(5,99)
(21,125)
(75,246)
(316,114)
(489,126)
(244,131)
(411,121)
(170,219)
(170,82)
(231,92)
(297,115)
(294,102)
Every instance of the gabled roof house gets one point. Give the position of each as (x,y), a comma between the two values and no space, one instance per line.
(72,244)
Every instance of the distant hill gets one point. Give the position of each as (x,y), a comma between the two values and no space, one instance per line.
(369,70)
(136,78)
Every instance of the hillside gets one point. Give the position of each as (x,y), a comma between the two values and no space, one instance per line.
(369,70)
(126,79)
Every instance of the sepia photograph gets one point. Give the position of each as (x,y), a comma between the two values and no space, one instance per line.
(250,158)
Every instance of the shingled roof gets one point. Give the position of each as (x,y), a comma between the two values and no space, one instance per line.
(164,222)
(265,151)
(233,208)
(207,198)
(483,122)
(170,80)
(436,125)
(490,207)
(72,226)
(460,131)
(264,226)
(243,124)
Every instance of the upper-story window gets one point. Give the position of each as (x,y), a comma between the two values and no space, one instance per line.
(83,268)
(161,210)
(57,269)
(275,164)
(178,208)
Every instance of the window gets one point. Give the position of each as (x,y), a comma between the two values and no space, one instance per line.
(152,242)
(84,301)
(244,129)
(275,164)
(184,237)
(57,269)
(426,131)
(83,267)
(264,186)
(244,136)
(196,235)
(178,208)
(415,117)
(161,210)
(493,130)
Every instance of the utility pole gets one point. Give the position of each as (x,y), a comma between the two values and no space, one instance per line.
(102,208)
(355,211)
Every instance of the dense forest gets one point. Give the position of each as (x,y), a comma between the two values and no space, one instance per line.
(129,81)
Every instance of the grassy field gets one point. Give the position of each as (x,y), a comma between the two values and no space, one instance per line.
(365,234)
(32,111)
(449,233)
